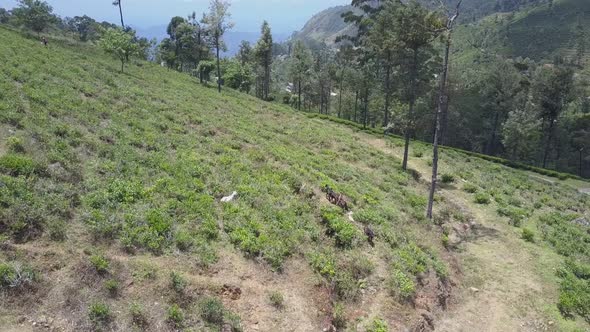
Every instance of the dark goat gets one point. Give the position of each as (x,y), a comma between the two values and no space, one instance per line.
(370,235)
(336,198)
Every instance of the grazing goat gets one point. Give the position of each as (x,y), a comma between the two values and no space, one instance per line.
(229,198)
(370,235)
(336,198)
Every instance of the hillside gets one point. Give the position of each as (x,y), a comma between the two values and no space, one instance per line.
(539,33)
(326,26)
(111,189)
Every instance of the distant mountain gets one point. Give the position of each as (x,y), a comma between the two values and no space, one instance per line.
(326,26)
(538,29)
(232,38)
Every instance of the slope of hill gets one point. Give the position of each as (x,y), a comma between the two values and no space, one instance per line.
(326,26)
(112,218)
(539,33)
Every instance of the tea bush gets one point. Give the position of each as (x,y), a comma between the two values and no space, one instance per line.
(276,299)
(99,314)
(482,198)
(447,178)
(100,263)
(175,316)
(177,282)
(212,311)
(378,325)
(16,276)
(16,165)
(339,316)
(112,286)
(138,315)
(528,235)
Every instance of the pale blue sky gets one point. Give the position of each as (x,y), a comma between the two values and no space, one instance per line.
(284,15)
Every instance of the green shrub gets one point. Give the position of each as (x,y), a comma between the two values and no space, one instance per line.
(574,297)
(99,314)
(101,226)
(418,154)
(528,235)
(138,315)
(212,311)
(482,198)
(153,232)
(343,231)
(100,263)
(209,229)
(184,240)
(470,188)
(15,144)
(412,259)
(378,325)
(234,321)
(323,263)
(447,178)
(16,276)
(177,282)
(568,239)
(175,316)
(57,230)
(276,299)
(401,285)
(369,216)
(515,214)
(445,241)
(15,164)
(339,316)
(112,286)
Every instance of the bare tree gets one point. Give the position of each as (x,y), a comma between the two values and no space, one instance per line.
(118,3)
(442,101)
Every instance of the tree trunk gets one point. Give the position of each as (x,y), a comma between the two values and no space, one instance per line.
(340,93)
(218,64)
(581,159)
(122,66)
(548,143)
(410,109)
(444,121)
(492,143)
(356,104)
(299,93)
(366,108)
(442,101)
(387,92)
(266,79)
(121,13)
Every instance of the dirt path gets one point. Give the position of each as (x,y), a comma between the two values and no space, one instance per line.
(501,288)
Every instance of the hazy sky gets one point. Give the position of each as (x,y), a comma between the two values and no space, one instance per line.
(284,15)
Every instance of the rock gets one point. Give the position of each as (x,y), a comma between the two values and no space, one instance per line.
(56,170)
(582,222)
(474,290)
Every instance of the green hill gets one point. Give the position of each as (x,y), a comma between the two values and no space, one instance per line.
(537,31)
(540,32)
(111,215)
(326,26)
